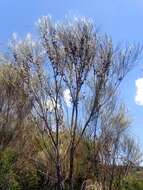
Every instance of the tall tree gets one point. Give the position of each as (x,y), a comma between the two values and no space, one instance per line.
(71,73)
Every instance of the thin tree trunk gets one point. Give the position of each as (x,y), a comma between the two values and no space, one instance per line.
(71,168)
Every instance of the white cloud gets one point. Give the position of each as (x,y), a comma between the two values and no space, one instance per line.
(50,105)
(14,36)
(139,92)
(67,97)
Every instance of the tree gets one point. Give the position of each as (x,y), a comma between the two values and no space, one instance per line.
(70,75)
(14,103)
(116,151)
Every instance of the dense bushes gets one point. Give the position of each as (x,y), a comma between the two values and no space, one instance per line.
(8,176)
(14,178)
(134,181)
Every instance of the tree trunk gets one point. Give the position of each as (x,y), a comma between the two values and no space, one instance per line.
(71,170)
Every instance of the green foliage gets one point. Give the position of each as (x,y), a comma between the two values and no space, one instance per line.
(133,183)
(8,178)
(28,180)
(11,178)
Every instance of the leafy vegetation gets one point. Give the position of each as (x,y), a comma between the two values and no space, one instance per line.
(8,177)
(134,180)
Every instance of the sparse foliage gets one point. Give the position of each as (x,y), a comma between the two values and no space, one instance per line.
(64,85)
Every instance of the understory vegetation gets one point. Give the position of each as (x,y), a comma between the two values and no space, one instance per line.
(62,124)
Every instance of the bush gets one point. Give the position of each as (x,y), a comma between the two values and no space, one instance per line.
(28,180)
(133,183)
(8,178)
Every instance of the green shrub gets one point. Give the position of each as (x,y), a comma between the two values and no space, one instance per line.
(28,180)
(133,183)
(8,178)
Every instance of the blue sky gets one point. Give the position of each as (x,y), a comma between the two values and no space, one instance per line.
(121,19)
